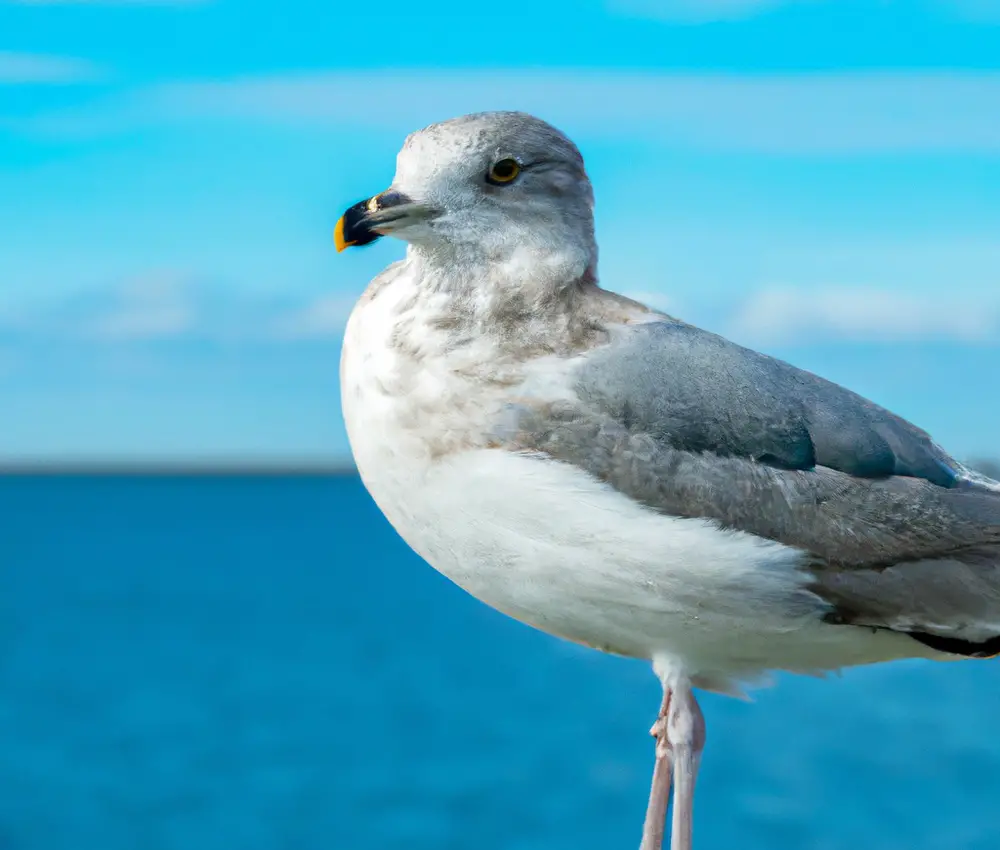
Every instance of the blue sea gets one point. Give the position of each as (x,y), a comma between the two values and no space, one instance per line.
(259,663)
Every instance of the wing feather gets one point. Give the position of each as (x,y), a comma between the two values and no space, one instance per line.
(693,425)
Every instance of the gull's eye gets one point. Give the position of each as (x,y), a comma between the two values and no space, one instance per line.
(505,171)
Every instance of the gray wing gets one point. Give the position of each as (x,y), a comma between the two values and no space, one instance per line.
(696,426)
(699,392)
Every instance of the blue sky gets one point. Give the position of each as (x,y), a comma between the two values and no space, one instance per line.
(816,178)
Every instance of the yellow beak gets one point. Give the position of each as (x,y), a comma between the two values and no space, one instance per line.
(338,236)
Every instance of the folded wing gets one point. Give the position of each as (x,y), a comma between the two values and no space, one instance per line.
(899,535)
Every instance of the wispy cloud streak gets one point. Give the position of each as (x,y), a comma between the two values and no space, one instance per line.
(709,11)
(39,68)
(172,306)
(778,315)
(982,11)
(180,3)
(695,11)
(824,114)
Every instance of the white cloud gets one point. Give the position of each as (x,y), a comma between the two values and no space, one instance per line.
(695,11)
(109,2)
(171,305)
(706,11)
(785,314)
(982,11)
(152,306)
(148,308)
(324,317)
(25,68)
(837,114)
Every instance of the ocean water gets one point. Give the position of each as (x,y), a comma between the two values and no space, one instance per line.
(261,664)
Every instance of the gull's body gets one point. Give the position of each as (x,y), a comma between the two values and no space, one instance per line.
(544,541)
(616,477)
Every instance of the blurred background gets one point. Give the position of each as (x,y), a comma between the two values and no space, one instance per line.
(209,636)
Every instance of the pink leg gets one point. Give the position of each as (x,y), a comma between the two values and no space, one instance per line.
(686,738)
(680,738)
(659,793)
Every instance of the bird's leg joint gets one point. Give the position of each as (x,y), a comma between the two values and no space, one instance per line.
(659,729)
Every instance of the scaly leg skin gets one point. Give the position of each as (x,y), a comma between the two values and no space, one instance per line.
(659,792)
(686,739)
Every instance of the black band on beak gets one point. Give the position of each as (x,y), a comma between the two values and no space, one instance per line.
(357,225)
(354,226)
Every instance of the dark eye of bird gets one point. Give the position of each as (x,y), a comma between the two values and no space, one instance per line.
(505,171)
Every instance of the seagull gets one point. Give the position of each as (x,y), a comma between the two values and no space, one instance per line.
(612,475)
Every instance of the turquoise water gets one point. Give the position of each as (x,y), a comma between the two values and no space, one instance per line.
(260,663)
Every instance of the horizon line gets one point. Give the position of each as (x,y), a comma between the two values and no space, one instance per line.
(180,467)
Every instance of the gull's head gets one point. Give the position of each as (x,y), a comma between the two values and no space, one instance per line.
(492,184)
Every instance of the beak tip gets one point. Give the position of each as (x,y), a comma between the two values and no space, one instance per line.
(338,236)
